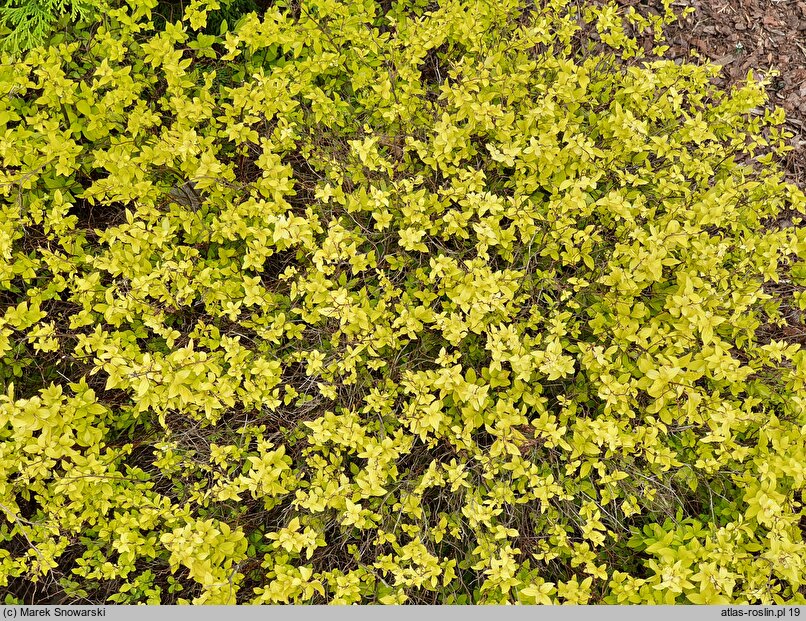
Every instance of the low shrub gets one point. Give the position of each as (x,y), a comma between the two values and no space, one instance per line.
(379,303)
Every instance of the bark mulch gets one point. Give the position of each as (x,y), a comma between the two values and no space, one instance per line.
(750,34)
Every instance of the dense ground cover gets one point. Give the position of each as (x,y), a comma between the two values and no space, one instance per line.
(385,302)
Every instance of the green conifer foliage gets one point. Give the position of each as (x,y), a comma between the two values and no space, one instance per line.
(24,24)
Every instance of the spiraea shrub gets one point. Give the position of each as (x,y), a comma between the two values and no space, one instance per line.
(476,302)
